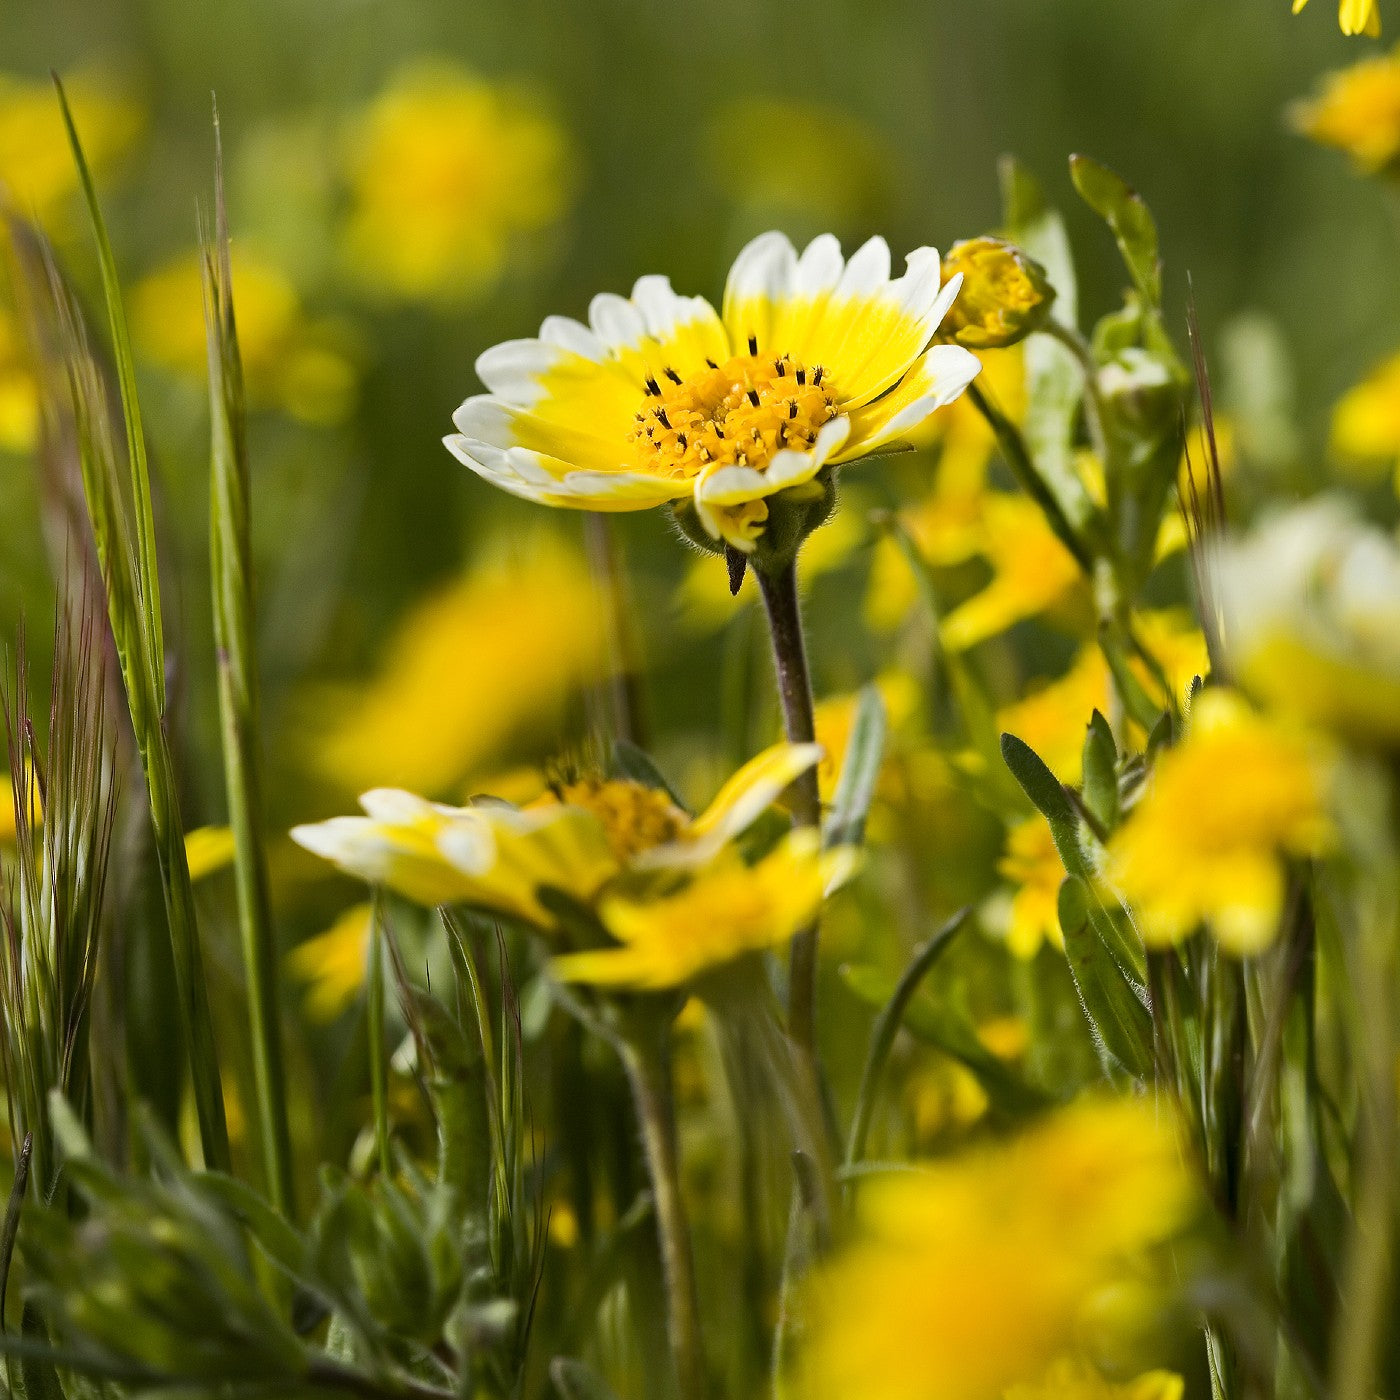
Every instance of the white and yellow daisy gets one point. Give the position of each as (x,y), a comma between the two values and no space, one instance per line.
(816,361)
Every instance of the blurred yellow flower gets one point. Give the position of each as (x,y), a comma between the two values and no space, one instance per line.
(1207,841)
(446,173)
(1366,420)
(1355,16)
(1311,607)
(484,660)
(7,812)
(1032,864)
(1071,1378)
(816,361)
(1031,573)
(208,849)
(332,964)
(728,909)
(19,391)
(972,1275)
(1053,717)
(288,362)
(577,840)
(36,163)
(1358,111)
(941,1096)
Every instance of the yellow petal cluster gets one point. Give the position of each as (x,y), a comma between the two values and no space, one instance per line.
(478,663)
(1033,866)
(1355,16)
(815,360)
(1224,810)
(1357,110)
(288,361)
(1366,420)
(972,1275)
(446,173)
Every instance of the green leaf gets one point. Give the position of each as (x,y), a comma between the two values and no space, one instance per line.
(278,1240)
(1049,799)
(1120,1021)
(1101,772)
(860,770)
(1127,214)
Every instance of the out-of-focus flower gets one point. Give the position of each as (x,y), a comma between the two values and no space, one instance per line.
(19,391)
(332,963)
(935,1301)
(36,162)
(800,159)
(1357,111)
(208,849)
(1366,420)
(1052,718)
(7,812)
(475,664)
(288,361)
(835,720)
(728,910)
(577,839)
(1200,849)
(941,1097)
(1071,1378)
(1031,573)
(1178,645)
(1311,604)
(816,361)
(446,173)
(1355,16)
(1005,294)
(1033,866)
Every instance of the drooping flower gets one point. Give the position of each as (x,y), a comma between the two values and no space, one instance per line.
(1311,607)
(727,910)
(446,173)
(935,1299)
(578,840)
(816,361)
(1033,867)
(1224,810)
(1355,16)
(289,362)
(1366,420)
(475,664)
(1357,111)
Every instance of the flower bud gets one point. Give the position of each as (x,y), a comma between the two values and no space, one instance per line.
(1005,294)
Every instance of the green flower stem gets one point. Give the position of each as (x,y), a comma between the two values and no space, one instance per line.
(646,1060)
(378,1044)
(779,591)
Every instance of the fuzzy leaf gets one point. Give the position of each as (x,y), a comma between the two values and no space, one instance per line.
(860,770)
(1101,772)
(1127,214)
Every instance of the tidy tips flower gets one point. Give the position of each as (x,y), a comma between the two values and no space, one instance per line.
(816,361)
(1355,16)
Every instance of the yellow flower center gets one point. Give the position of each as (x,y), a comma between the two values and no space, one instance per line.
(741,413)
(635,818)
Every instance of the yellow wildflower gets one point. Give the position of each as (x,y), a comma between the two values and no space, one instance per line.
(1031,573)
(941,1097)
(1070,1378)
(467,670)
(1355,16)
(36,163)
(208,849)
(1206,843)
(446,173)
(816,361)
(935,1299)
(1033,866)
(1366,420)
(1311,604)
(727,910)
(1358,112)
(1005,294)
(1052,718)
(578,840)
(19,391)
(332,964)
(288,362)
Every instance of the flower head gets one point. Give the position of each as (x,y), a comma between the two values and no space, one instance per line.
(1207,842)
(1005,294)
(1358,111)
(446,173)
(1033,866)
(816,361)
(1355,16)
(580,840)
(1311,606)
(943,1257)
